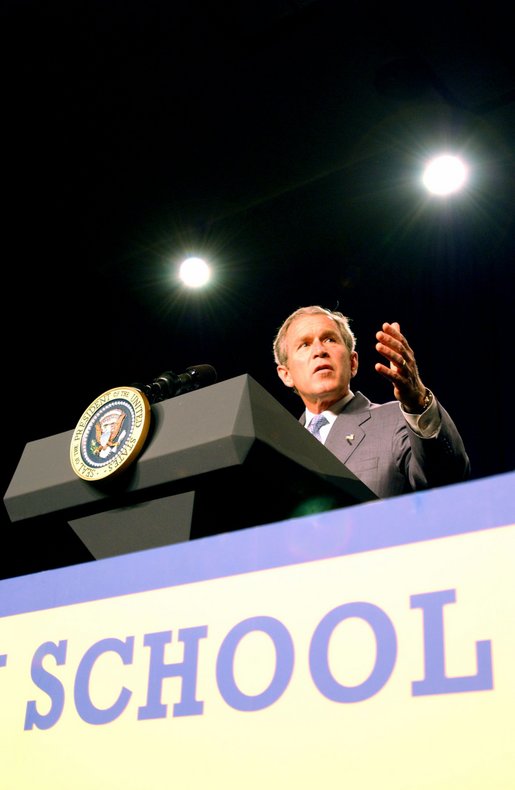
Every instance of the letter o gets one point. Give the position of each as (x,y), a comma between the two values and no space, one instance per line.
(283,644)
(386,641)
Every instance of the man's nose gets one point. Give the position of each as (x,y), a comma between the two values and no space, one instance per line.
(319,348)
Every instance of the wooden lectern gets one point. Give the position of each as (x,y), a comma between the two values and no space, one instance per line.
(218,459)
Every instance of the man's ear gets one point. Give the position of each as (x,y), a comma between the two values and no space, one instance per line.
(353,363)
(284,375)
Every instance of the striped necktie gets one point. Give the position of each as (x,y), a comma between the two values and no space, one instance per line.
(316,423)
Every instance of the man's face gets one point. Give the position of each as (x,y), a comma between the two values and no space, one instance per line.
(319,366)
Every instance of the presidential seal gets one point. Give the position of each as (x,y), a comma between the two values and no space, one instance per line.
(110,434)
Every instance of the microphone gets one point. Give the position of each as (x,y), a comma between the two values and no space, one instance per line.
(169,384)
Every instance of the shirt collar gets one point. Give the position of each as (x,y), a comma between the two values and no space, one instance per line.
(333,411)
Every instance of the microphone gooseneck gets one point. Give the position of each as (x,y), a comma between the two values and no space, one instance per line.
(170,384)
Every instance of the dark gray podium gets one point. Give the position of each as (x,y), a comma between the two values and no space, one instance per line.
(222,458)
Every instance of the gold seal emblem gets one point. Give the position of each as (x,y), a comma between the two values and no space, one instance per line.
(110,434)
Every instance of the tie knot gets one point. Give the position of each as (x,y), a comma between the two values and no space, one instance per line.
(316,423)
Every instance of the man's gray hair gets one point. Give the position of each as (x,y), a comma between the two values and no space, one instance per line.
(341,321)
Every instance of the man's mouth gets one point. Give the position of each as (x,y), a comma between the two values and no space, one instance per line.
(322,368)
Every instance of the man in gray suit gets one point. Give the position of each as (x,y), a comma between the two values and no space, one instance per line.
(408,444)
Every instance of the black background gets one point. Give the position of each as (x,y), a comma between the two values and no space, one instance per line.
(283,141)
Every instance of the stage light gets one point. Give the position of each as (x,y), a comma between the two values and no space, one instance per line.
(445,174)
(194,272)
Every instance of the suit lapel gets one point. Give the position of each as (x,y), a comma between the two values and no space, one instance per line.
(349,428)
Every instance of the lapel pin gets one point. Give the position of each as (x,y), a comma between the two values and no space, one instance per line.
(350,438)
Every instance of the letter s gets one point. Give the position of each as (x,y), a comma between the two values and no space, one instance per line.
(48,683)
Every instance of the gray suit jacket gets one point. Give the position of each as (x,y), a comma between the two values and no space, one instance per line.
(374,441)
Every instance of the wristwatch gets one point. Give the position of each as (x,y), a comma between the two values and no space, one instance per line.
(428,399)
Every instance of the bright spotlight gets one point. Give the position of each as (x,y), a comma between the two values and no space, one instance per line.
(444,174)
(194,272)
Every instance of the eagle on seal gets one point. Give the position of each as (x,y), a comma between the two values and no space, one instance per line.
(108,429)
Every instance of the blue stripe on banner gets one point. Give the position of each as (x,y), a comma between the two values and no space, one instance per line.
(468,507)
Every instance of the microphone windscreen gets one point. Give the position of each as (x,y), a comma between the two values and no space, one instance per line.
(204,375)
